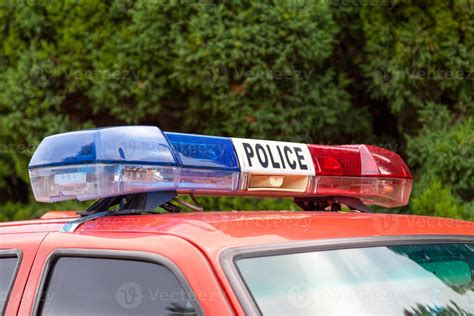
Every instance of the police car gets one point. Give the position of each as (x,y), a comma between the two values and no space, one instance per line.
(146,246)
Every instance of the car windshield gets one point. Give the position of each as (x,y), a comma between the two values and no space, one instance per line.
(434,279)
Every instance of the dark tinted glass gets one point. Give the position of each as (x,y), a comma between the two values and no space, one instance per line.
(7,272)
(89,286)
(393,280)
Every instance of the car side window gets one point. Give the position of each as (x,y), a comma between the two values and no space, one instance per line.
(8,267)
(96,286)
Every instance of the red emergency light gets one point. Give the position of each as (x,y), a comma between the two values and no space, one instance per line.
(373,174)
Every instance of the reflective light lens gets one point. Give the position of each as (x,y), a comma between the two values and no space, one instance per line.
(94,181)
(373,174)
(371,190)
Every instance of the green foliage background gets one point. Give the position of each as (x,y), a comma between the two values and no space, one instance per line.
(398,74)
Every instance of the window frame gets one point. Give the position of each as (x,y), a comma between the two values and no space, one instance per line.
(11,253)
(229,257)
(136,256)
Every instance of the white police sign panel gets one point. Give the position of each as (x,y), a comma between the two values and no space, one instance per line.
(270,157)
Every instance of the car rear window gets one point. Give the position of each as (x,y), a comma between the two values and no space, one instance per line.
(92,286)
(429,279)
(8,267)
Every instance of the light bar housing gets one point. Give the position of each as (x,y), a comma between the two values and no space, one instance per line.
(105,162)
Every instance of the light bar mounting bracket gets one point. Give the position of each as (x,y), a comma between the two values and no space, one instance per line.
(137,203)
(331,203)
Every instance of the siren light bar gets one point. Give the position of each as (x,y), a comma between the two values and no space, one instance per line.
(99,163)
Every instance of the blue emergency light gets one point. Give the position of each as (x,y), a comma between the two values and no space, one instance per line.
(112,161)
(116,161)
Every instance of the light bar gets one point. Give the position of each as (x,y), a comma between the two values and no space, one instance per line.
(114,161)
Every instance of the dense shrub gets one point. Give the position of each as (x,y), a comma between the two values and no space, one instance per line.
(444,149)
(395,74)
(418,59)
(437,199)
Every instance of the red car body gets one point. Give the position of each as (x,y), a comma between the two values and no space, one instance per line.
(199,243)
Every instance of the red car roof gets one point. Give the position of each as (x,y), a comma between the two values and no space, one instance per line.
(214,231)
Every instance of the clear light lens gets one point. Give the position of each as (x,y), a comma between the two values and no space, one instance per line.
(88,182)
(380,191)
(208,180)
